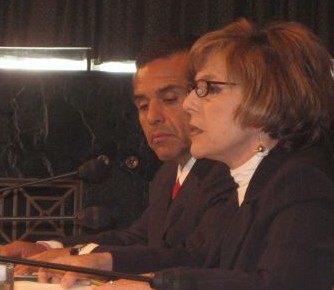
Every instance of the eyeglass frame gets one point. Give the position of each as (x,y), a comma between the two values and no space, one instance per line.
(194,86)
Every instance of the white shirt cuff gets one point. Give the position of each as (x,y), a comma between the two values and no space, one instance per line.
(88,248)
(50,245)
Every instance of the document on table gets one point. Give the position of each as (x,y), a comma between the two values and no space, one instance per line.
(30,285)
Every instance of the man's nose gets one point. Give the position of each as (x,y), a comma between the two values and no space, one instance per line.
(155,113)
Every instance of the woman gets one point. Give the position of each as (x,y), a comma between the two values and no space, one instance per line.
(262,102)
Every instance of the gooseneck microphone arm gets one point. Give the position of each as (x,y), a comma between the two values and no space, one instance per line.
(70,174)
(107,274)
(94,170)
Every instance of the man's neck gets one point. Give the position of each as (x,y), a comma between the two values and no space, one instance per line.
(182,160)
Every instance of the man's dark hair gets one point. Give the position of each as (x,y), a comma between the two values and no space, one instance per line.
(164,47)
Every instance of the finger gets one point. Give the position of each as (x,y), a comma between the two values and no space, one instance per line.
(20,270)
(55,279)
(106,286)
(69,279)
(83,282)
(43,276)
(24,270)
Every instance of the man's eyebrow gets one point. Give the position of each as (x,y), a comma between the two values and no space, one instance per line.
(137,97)
(160,92)
(170,88)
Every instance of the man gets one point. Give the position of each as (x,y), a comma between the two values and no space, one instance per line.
(160,86)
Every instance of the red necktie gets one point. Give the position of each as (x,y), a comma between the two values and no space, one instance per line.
(176,189)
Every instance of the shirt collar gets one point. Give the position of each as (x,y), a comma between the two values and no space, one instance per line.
(182,173)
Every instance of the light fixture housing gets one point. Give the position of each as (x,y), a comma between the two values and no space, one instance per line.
(58,59)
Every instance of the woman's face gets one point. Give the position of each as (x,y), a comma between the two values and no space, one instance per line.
(215,133)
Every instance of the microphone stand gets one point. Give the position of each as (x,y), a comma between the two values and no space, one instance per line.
(37,218)
(38,181)
(107,274)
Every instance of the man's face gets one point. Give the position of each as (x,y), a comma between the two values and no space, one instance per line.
(159,90)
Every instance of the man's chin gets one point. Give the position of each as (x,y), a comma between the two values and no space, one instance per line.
(166,155)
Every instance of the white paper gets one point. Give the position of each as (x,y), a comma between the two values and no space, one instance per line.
(3,272)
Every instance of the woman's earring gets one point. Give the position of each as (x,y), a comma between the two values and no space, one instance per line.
(260,147)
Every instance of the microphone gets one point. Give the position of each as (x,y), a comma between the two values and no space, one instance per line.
(93,170)
(94,217)
(107,274)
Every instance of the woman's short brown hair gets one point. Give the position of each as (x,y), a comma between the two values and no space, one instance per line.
(286,76)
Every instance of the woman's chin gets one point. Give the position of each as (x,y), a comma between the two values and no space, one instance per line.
(197,152)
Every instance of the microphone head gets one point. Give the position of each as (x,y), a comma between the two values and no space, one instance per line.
(95,170)
(95,217)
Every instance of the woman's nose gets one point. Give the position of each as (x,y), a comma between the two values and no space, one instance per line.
(189,103)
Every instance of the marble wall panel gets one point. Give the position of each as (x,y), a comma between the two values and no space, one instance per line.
(52,122)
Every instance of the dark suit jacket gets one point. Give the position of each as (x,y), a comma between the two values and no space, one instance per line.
(281,237)
(165,223)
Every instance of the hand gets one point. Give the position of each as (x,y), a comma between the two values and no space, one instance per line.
(124,285)
(101,261)
(21,249)
(46,256)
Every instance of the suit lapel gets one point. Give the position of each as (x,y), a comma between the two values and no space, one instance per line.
(241,223)
(161,207)
(208,183)
(177,206)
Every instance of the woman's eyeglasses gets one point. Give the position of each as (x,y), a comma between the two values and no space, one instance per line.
(202,87)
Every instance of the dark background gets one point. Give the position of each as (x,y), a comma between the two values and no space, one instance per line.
(119,28)
(50,123)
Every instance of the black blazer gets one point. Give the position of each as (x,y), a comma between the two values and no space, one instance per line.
(281,237)
(165,224)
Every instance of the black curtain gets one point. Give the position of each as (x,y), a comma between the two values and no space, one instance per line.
(117,29)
